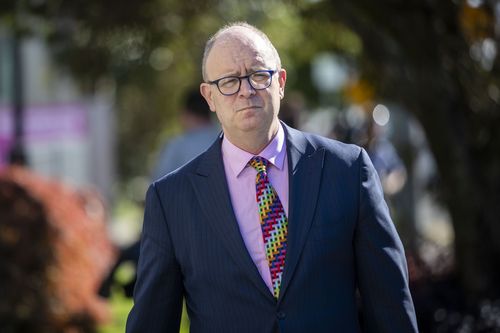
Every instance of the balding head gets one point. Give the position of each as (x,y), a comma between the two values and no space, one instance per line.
(233,31)
(242,58)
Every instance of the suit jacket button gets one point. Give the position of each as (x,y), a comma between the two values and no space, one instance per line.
(281,315)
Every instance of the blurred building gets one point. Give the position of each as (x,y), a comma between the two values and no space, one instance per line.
(69,135)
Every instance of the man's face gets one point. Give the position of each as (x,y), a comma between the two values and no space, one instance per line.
(241,52)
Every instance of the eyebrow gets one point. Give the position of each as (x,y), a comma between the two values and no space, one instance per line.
(237,73)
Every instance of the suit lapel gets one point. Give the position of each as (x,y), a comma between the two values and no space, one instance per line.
(212,193)
(305,168)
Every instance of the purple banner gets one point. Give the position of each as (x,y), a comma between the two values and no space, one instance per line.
(44,123)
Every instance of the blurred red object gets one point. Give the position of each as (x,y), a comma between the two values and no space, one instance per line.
(84,253)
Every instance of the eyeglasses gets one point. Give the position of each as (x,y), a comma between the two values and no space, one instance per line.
(258,80)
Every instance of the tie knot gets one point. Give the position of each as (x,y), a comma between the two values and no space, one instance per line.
(259,163)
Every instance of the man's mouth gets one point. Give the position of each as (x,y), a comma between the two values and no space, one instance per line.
(248,108)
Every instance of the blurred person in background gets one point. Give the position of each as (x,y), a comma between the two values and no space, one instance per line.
(199,133)
(384,157)
(271,229)
(382,153)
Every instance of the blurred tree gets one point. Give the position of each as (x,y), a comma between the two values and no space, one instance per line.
(148,51)
(438,59)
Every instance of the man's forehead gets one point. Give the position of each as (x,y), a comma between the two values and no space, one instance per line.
(237,46)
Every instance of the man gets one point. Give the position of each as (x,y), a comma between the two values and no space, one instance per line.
(199,135)
(281,242)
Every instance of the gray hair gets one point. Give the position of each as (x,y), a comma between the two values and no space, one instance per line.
(211,41)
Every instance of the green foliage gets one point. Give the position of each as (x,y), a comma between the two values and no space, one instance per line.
(120,307)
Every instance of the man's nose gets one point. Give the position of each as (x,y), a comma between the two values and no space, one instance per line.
(246,89)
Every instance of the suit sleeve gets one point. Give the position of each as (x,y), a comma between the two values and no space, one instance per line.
(380,261)
(159,290)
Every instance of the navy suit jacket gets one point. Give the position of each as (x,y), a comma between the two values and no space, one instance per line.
(341,241)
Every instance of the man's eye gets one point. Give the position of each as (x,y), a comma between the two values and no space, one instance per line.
(259,77)
(228,83)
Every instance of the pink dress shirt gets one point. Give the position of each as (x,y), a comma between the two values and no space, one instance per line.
(241,182)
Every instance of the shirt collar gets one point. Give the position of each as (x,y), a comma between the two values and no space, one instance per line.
(238,158)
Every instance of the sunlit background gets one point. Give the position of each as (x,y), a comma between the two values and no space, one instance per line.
(90,92)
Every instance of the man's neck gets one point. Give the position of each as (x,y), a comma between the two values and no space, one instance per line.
(254,142)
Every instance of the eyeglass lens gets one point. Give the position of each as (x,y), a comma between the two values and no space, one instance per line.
(231,85)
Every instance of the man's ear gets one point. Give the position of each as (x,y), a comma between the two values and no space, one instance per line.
(206,92)
(282,82)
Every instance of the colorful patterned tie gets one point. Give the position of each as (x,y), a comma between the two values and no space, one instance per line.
(273,222)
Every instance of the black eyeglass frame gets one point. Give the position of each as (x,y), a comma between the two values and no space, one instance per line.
(270,71)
